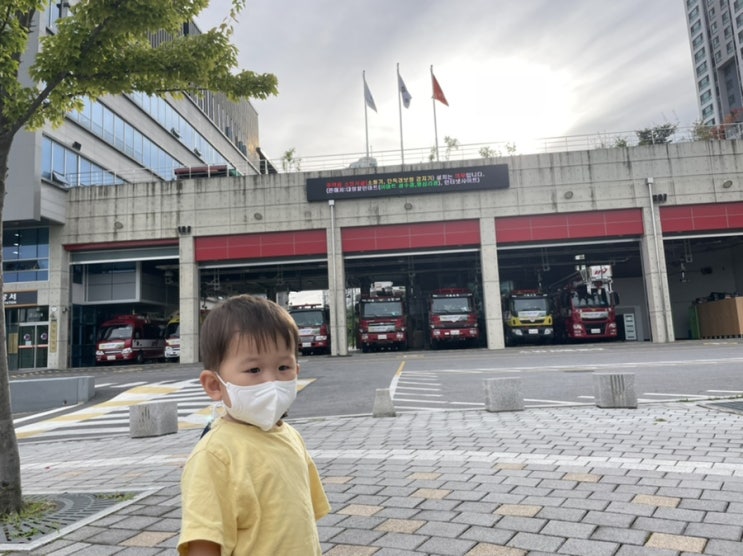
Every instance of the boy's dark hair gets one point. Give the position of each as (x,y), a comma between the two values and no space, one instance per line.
(261,320)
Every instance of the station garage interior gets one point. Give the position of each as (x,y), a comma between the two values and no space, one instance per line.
(697,268)
(690,265)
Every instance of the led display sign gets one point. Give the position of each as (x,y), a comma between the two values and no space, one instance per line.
(416,182)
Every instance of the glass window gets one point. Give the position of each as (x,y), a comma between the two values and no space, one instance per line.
(46,158)
(58,158)
(26,254)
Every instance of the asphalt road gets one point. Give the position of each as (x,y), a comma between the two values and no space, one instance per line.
(453,379)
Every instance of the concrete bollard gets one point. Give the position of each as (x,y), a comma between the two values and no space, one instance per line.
(383,406)
(503,394)
(153,419)
(615,390)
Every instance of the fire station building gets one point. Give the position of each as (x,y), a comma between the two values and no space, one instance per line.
(667,218)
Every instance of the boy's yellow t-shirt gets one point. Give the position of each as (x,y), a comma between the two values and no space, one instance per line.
(252,492)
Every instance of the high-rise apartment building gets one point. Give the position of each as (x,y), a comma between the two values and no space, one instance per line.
(716,39)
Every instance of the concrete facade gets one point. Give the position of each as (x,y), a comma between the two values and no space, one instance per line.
(690,174)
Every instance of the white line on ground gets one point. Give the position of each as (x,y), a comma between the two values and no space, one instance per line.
(556,402)
(688,396)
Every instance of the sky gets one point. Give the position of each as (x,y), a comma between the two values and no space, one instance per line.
(512,71)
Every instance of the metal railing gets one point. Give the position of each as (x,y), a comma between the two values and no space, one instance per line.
(454,151)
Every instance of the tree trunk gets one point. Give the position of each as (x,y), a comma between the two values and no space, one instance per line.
(11,499)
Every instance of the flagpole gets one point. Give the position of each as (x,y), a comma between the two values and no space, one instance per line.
(435,129)
(399,109)
(366,117)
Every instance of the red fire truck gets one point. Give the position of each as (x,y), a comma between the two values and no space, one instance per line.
(130,338)
(585,305)
(452,317)
(383,319)
(313,322)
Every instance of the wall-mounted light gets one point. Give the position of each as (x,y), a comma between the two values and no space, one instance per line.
(408,206)
(118,225)
(568,195)
(727,184)
(77,146)
(258,216)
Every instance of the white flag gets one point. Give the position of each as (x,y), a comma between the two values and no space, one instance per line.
(368,97)
(406,96)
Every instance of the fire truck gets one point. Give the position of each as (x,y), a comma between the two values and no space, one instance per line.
(313,322)
(586,305)
(383,319)
(452,317)
(527,317)
(130,338)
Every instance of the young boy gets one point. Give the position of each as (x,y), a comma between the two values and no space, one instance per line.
(250,486)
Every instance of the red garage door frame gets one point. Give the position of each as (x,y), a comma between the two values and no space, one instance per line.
(425,235)
(565,226)
(702,218)
(261,246)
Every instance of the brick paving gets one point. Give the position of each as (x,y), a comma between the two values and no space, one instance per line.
(663,479)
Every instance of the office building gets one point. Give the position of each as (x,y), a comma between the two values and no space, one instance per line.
(112,141)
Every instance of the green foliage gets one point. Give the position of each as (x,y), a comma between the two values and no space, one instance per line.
(101,47)
(487,152)
(702,132)
(656,135)
(104,47)
(452,144)
(290,162)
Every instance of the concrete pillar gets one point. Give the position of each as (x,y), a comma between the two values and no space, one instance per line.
(336,285)
(58,299)
(190,297)
(614,390)
(491,284)
(383,406)
(655,277)
(503,394)
(153,419)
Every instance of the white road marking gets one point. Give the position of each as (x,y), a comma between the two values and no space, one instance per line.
(129,385)
(687,396)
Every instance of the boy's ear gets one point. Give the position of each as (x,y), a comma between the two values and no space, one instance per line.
(211,385)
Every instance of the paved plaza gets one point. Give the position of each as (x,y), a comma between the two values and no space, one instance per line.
(660,480)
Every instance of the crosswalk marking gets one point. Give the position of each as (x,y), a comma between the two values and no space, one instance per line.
(194,410)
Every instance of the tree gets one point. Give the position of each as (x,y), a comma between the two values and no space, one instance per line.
(656,135)
(451,145)
(101,47)
(290,161)
(488,152)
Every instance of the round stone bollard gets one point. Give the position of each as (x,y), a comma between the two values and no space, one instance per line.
(503,394)
(614,390)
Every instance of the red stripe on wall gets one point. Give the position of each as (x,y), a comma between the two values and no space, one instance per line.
(456,233)
(575,225)
(261,246)
(701,218)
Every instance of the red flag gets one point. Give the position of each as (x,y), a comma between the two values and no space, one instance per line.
(438,94)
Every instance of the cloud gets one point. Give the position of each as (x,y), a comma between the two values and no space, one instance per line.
(510,70)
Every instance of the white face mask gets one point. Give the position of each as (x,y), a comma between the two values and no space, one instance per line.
(261,405)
